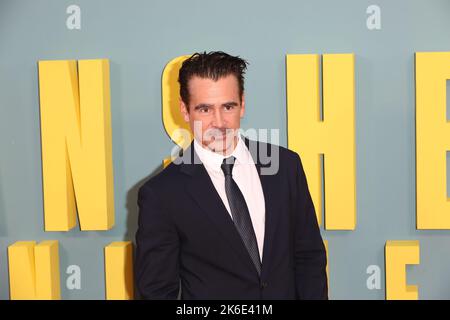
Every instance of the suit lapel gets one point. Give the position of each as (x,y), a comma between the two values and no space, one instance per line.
(202,190)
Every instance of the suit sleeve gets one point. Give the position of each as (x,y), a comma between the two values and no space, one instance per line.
(157,250)
(310,254)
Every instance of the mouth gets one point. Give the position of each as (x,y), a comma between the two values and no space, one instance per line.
(219,136)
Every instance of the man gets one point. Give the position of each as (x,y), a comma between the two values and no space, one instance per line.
(212,224)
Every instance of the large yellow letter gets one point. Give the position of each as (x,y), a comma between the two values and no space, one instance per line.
(432,140)
(398,254)
(119,271)
(333,136)
(177,129)
(76,144)
(34,270)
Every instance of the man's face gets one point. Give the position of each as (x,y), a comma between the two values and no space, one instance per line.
(214,112)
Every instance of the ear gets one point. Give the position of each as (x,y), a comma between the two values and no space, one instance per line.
(184,110)
(242,105)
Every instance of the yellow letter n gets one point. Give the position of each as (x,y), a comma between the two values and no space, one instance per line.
(76,144)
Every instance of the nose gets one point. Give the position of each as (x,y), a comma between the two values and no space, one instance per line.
(218,119)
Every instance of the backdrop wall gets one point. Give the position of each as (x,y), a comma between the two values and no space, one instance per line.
(140,37)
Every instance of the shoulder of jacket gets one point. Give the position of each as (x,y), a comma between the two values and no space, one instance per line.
(163,178)
(283,151)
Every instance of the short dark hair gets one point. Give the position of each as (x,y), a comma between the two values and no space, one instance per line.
(212,65)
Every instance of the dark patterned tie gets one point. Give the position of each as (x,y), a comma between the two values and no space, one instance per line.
(240,213)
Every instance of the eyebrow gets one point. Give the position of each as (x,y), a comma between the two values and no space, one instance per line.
(206,105)
(231,103)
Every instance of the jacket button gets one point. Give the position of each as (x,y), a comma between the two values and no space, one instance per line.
(263,285)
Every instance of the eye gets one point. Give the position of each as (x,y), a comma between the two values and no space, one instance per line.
(229,107)
(204,110)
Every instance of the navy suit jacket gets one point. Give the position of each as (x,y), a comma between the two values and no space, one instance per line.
(186,237)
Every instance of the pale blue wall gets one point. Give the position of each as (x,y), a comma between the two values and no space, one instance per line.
(140,37)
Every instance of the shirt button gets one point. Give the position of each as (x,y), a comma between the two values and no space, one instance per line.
(263,285)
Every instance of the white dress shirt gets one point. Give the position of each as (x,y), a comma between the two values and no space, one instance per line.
(246,177)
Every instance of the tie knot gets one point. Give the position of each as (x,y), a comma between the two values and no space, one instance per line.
(227,165)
